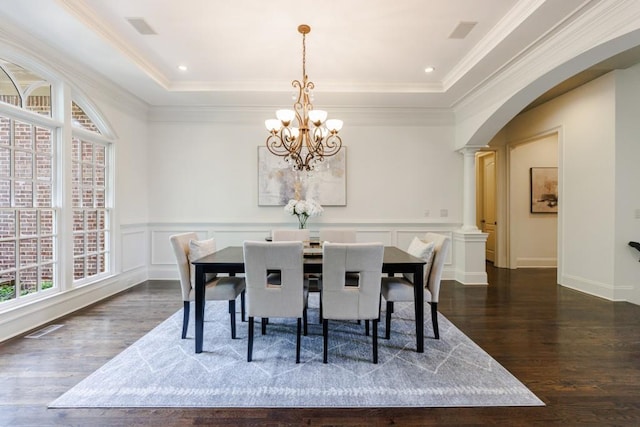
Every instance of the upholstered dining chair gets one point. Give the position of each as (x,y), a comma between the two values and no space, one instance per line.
(433,249)
(337,235)
(187,248)
(290,235)
(265,299)
(348,302)
(287,235)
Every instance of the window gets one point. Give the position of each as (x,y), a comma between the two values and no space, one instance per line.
(90,213)
(27,216)
(30,187)
(25,89)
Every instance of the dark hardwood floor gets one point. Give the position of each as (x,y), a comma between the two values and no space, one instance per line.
(578,353)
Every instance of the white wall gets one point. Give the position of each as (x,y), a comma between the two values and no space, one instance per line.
(127,118)
(533,236)
(131,242)
(627,179)
(130,235)
(203,177)
(598,149)
(203,171)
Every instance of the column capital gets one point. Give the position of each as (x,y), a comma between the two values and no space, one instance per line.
(469,151)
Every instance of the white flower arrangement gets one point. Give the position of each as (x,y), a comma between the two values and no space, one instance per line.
(303,209)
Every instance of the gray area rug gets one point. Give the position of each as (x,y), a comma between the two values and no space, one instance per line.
(162,370)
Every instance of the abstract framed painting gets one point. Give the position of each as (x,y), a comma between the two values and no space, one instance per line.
(544,189)
(278,182)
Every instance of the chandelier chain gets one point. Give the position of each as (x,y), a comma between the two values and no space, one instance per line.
(304,56)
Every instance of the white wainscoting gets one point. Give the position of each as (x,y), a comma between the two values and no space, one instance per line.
(134,247)
(162,261)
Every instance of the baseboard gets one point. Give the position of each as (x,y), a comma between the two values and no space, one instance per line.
(536,263)
(591,287)
(472,278)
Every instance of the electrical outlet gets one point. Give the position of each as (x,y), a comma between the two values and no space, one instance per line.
(444,213)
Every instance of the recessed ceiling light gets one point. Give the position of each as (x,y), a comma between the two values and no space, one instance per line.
(182,67)
(429,70)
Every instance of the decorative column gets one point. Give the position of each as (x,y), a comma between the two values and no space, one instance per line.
(469,243)
(469,191)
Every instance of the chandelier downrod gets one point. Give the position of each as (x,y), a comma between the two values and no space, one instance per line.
(306,145)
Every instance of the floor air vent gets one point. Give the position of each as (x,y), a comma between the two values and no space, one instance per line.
(44,331)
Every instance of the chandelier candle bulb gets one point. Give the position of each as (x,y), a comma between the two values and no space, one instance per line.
(303,136)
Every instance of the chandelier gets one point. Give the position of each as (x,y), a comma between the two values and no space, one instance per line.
(305,142)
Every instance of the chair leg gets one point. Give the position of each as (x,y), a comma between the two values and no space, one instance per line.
(375,340)
(250,339)
(298,340)
(387,333)
(232,316)
(185,318)
(434,319)
(264,322)
(242,305)
(366,327)
(325,338)
(320,309)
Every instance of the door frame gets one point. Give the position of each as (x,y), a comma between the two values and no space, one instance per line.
(501,242)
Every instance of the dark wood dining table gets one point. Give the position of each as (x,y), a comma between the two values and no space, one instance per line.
(230,260)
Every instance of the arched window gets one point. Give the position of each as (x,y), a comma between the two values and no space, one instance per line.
(90,202)
(25,89)
(32,209)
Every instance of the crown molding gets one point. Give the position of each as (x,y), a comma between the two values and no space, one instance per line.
(252,115)
(511,21)
(589,28)
(81,11)
(16,45)
(327,86)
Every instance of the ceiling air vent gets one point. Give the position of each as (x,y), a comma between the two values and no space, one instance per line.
(462,30)
(141,26)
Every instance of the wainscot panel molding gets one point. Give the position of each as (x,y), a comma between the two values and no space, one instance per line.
(162,261)
(134,247)
(31,316)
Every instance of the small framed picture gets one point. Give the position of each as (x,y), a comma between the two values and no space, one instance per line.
(544,189)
